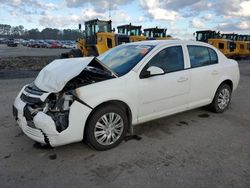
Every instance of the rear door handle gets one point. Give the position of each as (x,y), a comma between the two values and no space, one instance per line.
(182,79)
(214,72)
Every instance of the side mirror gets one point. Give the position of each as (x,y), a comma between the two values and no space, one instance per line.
(151,71)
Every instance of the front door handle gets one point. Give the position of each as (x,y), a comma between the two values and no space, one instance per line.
(182,79)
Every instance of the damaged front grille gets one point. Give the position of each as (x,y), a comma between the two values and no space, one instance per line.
(58,109)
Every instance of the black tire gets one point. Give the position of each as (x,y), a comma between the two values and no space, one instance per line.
(64,55)
(93,51)
(75,53)
(89,134)
(216,106)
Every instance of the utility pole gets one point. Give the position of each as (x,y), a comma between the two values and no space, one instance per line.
(109,10)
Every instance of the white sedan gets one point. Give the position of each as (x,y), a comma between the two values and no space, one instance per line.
(101,99)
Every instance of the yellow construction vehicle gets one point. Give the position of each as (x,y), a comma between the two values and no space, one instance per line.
(226,46)
(99,37)
(134,32)
(242,44)
(156,34)
(242,49)
(243,37)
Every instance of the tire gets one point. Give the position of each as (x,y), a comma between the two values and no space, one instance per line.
(98,136)
(75,53)
(64,55)
(221,99)
(93,52)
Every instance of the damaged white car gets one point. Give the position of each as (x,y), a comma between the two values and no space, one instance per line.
(101,99)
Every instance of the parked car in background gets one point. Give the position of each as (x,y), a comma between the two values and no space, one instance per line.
(12,43)
(101,99)
(56,45)
(3,41)
(68,45)
(24,42)
(34,44)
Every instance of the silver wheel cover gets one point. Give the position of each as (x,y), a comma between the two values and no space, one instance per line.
(108,128)
(223,98)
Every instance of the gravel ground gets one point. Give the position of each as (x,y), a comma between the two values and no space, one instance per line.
(191,149)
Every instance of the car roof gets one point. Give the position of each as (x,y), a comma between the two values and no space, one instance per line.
(159,43)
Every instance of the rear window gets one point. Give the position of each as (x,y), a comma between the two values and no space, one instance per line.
(201,56)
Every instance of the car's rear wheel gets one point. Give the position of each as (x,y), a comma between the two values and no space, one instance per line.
(221,99)
(106,128)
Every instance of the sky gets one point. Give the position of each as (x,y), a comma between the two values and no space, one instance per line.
(181,17)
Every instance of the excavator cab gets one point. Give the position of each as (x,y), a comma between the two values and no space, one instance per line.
(99,37)
(134,32)
(204,35)
(93,27)
(230,36)
(156,34)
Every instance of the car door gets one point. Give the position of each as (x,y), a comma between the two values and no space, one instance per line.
(167,93)
(205,72)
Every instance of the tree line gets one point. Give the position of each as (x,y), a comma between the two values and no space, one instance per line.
(9,31)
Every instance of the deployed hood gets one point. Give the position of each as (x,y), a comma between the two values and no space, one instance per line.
(55,75)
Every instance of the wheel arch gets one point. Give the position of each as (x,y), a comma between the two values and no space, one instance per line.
(228,82)
(118,103)
(225,81)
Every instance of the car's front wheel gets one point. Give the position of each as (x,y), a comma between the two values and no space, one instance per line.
(221,99)
(106,128)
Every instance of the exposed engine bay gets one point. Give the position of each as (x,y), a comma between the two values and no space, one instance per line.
(57,104)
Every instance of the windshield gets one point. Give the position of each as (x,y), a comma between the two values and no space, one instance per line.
(123,58)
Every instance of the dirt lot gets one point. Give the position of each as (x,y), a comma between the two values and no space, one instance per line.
(25,58)
(26,51)
(192,149)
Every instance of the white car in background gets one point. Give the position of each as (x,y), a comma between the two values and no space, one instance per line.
(101,99)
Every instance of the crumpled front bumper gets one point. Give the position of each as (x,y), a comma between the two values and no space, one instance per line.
(33,133)
(33,128)
(42,127)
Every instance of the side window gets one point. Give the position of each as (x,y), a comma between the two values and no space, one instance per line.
(202,56)
(169,60)
(213,56)
(221,45)
(109,42)
(199,56)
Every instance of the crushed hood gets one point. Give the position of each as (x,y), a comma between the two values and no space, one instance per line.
(55,75)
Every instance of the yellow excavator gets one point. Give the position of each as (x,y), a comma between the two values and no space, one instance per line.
(134,32)
(226,46)
(99,37)
(156,33)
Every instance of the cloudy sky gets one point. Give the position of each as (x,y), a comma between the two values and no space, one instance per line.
(181,17)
